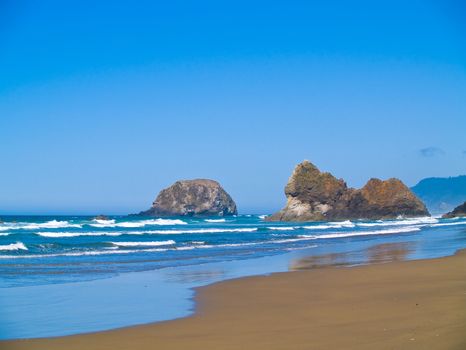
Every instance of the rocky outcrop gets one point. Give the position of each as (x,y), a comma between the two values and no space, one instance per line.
(316,196)
(199,197)
(458,212)
(101,217)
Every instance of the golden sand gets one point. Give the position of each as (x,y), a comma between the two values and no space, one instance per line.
(398,305)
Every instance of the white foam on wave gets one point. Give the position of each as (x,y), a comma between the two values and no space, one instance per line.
(291,240)
(225,245)
(164,222)
(14,246)
(37,226)
(449,224)
(281,228)
(104,221)
(141,223)
(77,234)
(201,245)
(114,250)
(244,244)
(402,222)
(364,233)
(262,216)
(331,225)
(235,244)
(150,232)
(190,247)
(247,244)
(205,230)
(111,252)
(215,220)
(50,224)
(144,244)
(302,247)
(83,253)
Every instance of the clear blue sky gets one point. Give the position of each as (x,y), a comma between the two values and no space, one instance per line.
(102,104)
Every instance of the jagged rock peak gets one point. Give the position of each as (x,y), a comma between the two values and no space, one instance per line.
(313,195)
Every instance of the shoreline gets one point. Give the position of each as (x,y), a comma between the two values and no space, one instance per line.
(318,304)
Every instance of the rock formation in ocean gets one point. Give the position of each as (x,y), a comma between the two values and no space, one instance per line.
(459,211)
(316,196)
(200,197)
(101,217)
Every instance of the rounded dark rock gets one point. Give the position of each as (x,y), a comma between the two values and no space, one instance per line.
(200,197)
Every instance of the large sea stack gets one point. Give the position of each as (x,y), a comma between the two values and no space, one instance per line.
(458,212)
(316,196)
(200,197)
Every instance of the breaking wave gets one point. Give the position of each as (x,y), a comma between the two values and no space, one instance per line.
(37,226)
(143,244)
(405,222)
(154,232)
(364,233)
(331,225)
(281,228)
(455,223)
(14,246)
(134,224)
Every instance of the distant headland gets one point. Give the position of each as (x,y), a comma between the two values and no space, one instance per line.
(441,194)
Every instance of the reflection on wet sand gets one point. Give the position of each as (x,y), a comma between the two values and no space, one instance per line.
(191,276)
(379,253)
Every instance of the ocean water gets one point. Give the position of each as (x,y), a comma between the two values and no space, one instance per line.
(67,275)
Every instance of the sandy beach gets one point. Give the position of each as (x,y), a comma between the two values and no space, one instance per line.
(398,305)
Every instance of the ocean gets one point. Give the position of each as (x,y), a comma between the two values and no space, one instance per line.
(64,275)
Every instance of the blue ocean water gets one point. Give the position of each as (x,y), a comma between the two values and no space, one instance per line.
(67,275)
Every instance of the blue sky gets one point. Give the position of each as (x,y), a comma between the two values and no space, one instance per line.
(104,104)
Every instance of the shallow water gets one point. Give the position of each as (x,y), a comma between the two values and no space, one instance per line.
(66,275)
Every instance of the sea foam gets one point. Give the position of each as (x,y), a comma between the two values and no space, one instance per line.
(402,222)
(365,233)
(14,246)
(144,244)
(84,253)
(331,225)
(147,232)
(37,226)
(141,223)
(449,224)
(281,228)
(197,231)
(77,234)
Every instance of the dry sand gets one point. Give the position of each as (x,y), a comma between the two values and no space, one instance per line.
(398,305)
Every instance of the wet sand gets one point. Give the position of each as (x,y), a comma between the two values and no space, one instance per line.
(396,305)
